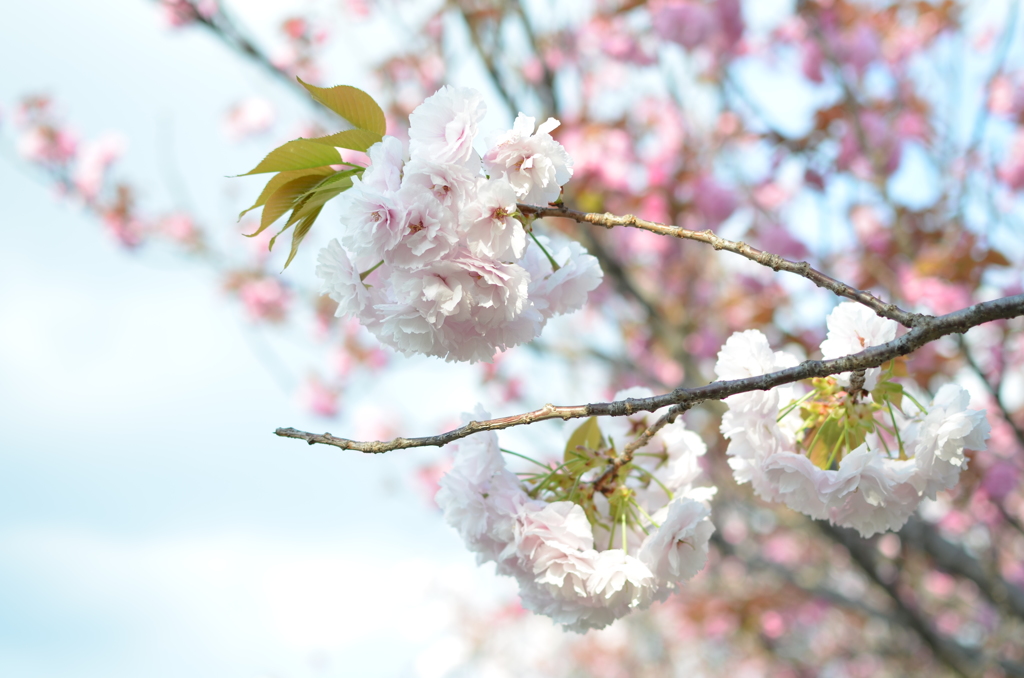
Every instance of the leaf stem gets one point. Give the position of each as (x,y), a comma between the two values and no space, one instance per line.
(364,274)
(554,264)
(523,456)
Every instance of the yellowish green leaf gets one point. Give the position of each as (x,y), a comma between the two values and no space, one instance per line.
(284,199)
(587,435)
(352,104)
(301,229)
(354,139)
(279,180)
(298,154)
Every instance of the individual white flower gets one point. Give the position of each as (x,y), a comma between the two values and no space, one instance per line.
(536,165)
(480,498)
(373,222)
(564,290)
(621,583)
(404,328)
(384,173)
(852,328)
(499,291)
(678,549)
(442,129)
(795,481)
(478,456)
(747,354)
(341,280)
(937,440)
(487,223)
(427,229)
(437,290)
(876,494)
(684,449)
(451,184)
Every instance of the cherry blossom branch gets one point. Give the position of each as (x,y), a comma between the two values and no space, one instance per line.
(772,261)
(926,330)
(600,485)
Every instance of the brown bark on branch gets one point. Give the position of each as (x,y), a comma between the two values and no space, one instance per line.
(927,329)
(772,261)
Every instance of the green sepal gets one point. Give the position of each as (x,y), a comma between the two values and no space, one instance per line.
(352,104)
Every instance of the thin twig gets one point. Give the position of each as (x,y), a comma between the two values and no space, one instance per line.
(927,329)
(772,261)
(641,440)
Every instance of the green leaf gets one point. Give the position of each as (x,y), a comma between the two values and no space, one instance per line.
(822,441)
(587,435)
(301,229)
(354,139)
(352,104)
(284,199)
(279,180)
(298,154)
(337,182)
(889,391)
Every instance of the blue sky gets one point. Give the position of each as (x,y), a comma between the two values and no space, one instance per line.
(150,524)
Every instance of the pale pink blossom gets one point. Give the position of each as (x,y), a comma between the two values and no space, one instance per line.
(265,299)
(451,184)
(373,222)
(678,549)
(341,280)
(1011,171)
(127,229)
(94,158)
(180,228)
(534,163)
(550,547)
(853,327)
(383,175)
(747,354)
(443,128)
(319,398)
(249,117)
(47,145)
(425,231)
(934,294)
(487,223)
(874,494)
(564,290)
(938,439)
(873,489)
(714,201)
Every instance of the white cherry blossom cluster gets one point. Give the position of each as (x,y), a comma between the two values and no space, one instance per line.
(586,554)
(433,258)
(862,460)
